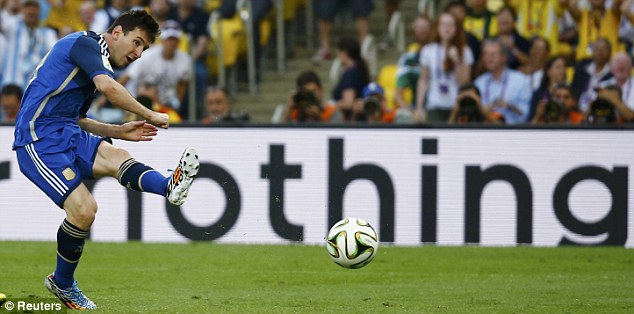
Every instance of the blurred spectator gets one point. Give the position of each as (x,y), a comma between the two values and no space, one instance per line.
(562,107)
(160,10)
(539,18)
(626,30)
(10,99)
(589,75)
(105,16)
(391,6)
(445,65)
(27,43)
(621,67)
(326,10)
(537,57)
(480,21)
(459,10)
(354,78)
(608,107)
(87,11)
(64,17)
(261,9)
(194,20)
(3,48)
(372,108)
(148,94)
(164,64)
(594,23)
(219,107)
(306,101)
(11,8)
(554,74)
(504,91)
(408,69)
(468,107)
(517,44)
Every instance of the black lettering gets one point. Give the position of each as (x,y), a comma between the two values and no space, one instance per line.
(614,224)
(229,217)
(429,193)
(5,166)
(276,172)
(339,178)
(475,182)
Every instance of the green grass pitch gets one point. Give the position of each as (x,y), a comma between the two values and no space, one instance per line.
(218,278)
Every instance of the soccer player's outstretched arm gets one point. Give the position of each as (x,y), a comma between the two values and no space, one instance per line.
(120,97)
(131,131)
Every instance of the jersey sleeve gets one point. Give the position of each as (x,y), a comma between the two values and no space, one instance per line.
(86,54)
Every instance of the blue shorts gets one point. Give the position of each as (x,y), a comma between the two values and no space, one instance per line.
(59,162)
(327,9)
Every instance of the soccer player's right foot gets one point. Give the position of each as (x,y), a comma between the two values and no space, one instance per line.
(72,297)
(182,177)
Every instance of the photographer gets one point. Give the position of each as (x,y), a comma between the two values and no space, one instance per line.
(372,107)
(305,102)
(608,107)
(468,107)
(561,108)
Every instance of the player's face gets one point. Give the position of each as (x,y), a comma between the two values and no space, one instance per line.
(128,47)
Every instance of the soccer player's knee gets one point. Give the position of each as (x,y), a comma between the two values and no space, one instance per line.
(130,174)
(84,215)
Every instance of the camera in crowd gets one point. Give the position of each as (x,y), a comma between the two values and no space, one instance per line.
(601,111)
(553,110)
(371,106)
(303,101)
(468,106)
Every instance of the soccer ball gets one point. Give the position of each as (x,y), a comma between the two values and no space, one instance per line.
(352,243)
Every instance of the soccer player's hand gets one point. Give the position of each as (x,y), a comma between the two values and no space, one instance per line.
(159,119)
(136,131)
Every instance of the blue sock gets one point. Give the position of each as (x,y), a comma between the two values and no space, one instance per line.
(154,182)
(141,177)
(70,244)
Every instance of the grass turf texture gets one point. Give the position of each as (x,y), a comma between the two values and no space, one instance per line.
(216,278)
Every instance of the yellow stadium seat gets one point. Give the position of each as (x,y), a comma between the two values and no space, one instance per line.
(570,73)
(387,80)
(212,5)
(232,38)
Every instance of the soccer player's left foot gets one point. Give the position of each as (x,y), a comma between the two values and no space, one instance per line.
(182,177)
(72,297)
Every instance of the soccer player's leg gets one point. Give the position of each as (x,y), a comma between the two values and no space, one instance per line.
(118,163)
(59,178)
(80,207)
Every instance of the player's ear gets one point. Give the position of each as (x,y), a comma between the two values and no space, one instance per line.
(117,32)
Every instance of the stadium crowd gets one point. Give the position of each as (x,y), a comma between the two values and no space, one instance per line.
(498,62)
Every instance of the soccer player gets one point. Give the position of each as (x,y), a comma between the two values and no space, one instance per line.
(57,146)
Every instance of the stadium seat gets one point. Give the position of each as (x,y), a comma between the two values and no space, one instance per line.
(387,80)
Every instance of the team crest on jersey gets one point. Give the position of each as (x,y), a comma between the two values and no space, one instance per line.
(69,174)
(106,63)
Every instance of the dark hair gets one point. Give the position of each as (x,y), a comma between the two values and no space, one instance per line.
(351,46)
(307,77)
(454,3)
(459,39)
(469,86)
(12,89)
(540,38)
(546,83)
(140,19)
(221,89)
(510,10)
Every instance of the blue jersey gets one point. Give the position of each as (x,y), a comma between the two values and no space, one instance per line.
(61,88)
